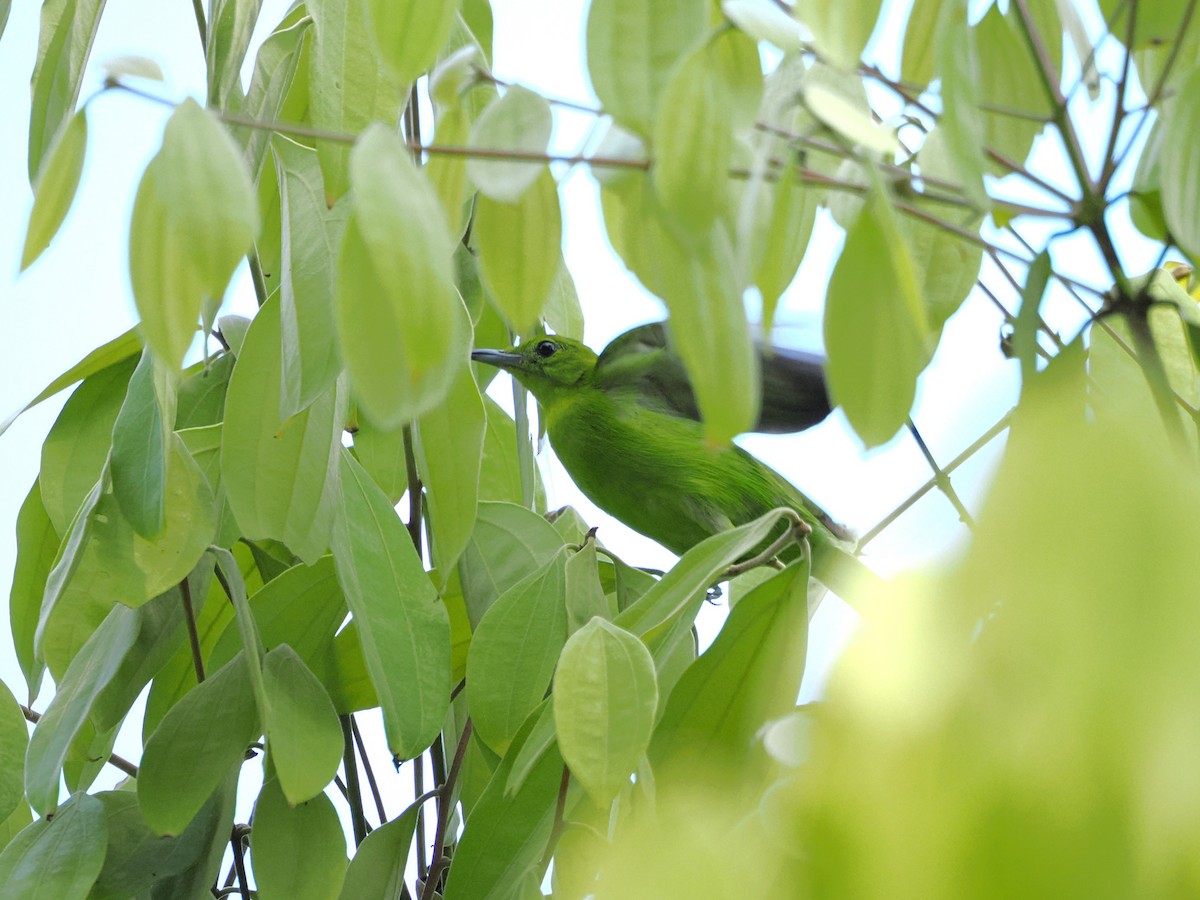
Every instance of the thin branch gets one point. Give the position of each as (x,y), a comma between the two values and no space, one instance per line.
(942,479)
(366,763)
(928,486)
(797,531)
(353,791)
(189,616)
(235,840)
(419,791)
(559,810)
(445,805)
(256,277)
(414,490)
(201,25)
(117,762)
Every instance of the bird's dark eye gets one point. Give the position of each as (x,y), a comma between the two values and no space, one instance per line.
(546,349)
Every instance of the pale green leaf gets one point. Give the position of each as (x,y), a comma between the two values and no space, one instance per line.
(402,625)
(448,443)
(1156,23)
(453,75)
(764,21)
(379,863)
(57,859)
(311,237)
(380,451)
(605,696)
(847,119)
(299,851)
(874,330)
(276,69)
(105,562)
(87,675)
(230,27)
(353,88)
(961,135)
(409,33)
(500,474)
(519,246)
(632,48)
(781,219)
(920,40)
(840,29)
(14,738)
(65,37)
(447,172)
(562,311)
(77,446)
(945,265)
(398,317)
(186,759)
(584,593)
(303,734)
(508,543)
(1009,79)
(37,548)
(693,143)
(131,65)
(194,218)
(513,653)
(519,123)
(279,475)
(1180,166)
(56,186)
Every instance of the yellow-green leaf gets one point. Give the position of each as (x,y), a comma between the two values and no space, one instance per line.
(409,33)
(1180,167)
(398,315)
(303,734)
(194,218)
(56,186)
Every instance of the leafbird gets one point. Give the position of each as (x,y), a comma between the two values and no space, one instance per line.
(626,426)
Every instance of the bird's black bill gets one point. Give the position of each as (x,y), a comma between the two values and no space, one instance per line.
(503,359)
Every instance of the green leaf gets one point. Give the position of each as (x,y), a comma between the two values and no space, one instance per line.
(605,696)
(687,582)
(353,88)
(520,248)
(311,237)
(37,548)
(57,859)
(380,451)
(500,475)
(409,33)
(920,34)
(845,117)
(1155,23)
(104,562)
(1180,166)
(519,122)
(378,867)
(562,311)
(136,858)
(584,593)
(55,190)
(402,625)
(749,675)
(76,448)
(632,49)
(448,444)
(14,738)
(448,171)
(506,835)
(399,320)
(279,475)
(131,65)
(194,218)
(303,734)
(65,38)
(513,653)
(1012,83)
(215,823)
(958,144)
(299,851)
(109,354)
(1025,329)
(693,143)
(945,265)
(141,440)
(275,72)
(875,331)
(85,678)
(230,26)
(841,29)
(186,759)
(509,542)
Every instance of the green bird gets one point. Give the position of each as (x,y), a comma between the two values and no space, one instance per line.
(627,429)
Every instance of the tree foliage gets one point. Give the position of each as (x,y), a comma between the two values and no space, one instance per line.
(221,527)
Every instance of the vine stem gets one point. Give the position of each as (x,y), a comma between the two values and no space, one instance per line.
(445,804)
(189,615)
(353,789)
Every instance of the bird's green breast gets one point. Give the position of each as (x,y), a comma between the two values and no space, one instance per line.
(655,472)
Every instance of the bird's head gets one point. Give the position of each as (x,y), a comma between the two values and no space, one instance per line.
(550,366)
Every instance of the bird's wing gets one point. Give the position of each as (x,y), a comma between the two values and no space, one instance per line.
(794,396)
